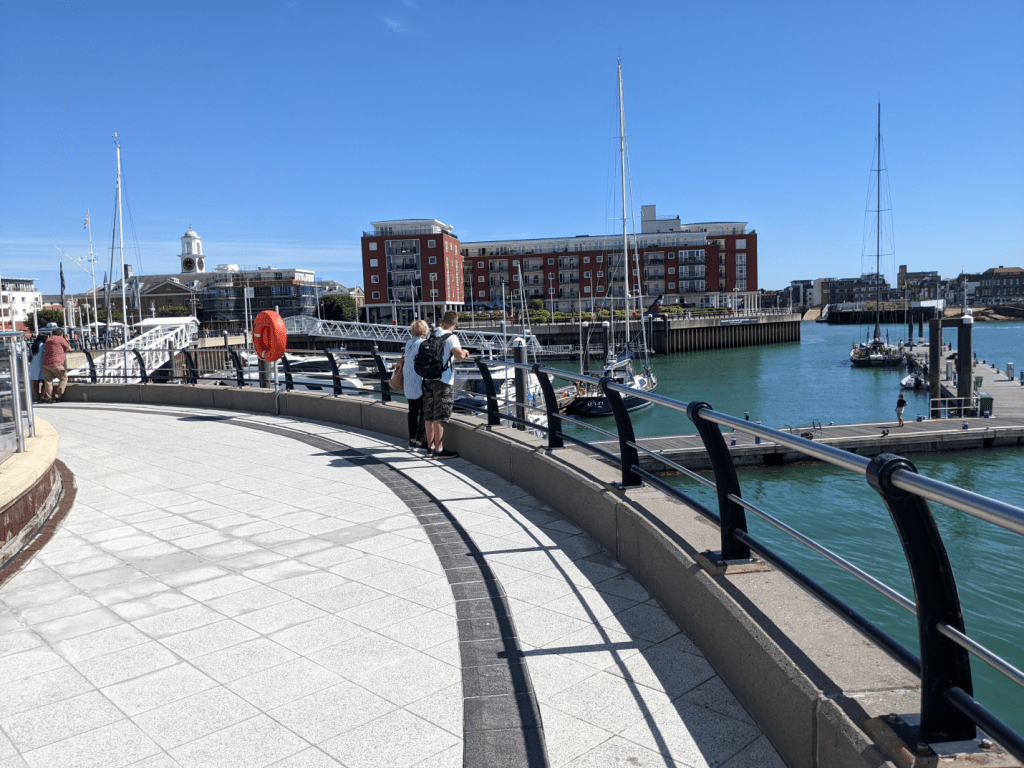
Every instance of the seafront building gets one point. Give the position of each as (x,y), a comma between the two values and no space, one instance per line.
(414,264)
(18,300)
(222,298)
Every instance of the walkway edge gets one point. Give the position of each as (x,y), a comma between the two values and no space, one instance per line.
(809,681)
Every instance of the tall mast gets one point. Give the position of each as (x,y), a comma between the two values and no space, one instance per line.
(92,261)
(124,297)
(878,233)
(626,264)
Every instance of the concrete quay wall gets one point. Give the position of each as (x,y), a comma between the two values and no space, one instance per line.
(808,680)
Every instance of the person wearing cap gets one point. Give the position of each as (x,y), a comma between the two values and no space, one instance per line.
(54,358)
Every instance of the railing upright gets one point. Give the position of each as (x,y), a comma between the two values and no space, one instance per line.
(192,372)
(237,362)
(26,383)
(142,366)
(385,379)
(944,664)
(19,426)
(732,516)
(493,417)
(92,366)
(629,456)
(335,374)
(289,382)
(551,406)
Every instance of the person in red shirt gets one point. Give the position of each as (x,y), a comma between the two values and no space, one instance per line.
(54,358)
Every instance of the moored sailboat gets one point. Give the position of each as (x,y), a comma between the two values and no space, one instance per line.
(877,352)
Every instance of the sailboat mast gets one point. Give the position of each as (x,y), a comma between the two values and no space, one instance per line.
(878,233)
(120,223)
(626,264)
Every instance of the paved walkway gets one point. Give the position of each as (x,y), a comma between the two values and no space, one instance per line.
(238,590)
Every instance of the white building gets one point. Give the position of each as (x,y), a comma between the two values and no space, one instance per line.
(18,300)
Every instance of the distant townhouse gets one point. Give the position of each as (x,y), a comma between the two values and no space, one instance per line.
(1001,285)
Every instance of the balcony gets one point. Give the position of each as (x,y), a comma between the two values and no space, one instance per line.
(497,268)
(403,265)
(654,275)
(568,264)
(398,282)
(654,261)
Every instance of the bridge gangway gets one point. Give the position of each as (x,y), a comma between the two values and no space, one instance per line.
(148,351)
(302,325)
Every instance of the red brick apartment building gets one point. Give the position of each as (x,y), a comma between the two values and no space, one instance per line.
(700,265)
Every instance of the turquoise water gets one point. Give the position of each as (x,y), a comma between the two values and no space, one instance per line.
(793,384)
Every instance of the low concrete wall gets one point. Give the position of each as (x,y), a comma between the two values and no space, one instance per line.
(809,681)
(29,492)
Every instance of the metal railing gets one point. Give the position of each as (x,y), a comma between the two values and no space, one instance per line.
(949,711)
(17,416)
(130,362)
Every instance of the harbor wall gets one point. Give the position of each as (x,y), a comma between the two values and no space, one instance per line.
(809,681)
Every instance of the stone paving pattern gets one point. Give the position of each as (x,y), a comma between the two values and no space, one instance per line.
(219,596)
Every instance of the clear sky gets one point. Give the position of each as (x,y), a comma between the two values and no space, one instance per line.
(281,129)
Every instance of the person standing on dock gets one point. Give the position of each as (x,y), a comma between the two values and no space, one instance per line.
(54,357)
(900,405)
(413,386)
(439,393)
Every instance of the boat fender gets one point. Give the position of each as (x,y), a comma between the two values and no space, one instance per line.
(269,335)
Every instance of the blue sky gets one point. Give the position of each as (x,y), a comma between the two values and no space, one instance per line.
(280,130)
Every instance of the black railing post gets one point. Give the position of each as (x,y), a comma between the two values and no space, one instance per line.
(289,382)
(944,664)
(142,366)
(190,367)
(628,455)
(551,405)
(92,367)
(493,417)
(385,379)
(335,375)
(237,362)
(732,514)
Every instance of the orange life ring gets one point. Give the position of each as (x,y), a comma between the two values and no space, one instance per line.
(269,336)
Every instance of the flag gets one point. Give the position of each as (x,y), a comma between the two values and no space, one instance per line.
(86,220)
(63,301)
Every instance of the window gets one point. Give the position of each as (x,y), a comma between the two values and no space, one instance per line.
(374,278)
(741,285)
(741,244)
(586,259)
(600,274)
(586,289)
(551,262)
(671,286)
(433,294)
(600,289)
(479,265)
(586,274)
(515,278)
(480,278)
(431,243)
(373,246)
(376,294)
(432,260)
(373,262)
(671,270)
(671,254)
(741,258)
(433,275)
(600,259)
(482,294)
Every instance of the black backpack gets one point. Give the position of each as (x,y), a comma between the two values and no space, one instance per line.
(429,362)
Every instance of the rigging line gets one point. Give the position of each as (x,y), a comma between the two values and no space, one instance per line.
(131,221)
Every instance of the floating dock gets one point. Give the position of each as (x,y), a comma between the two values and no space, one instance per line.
(928,436)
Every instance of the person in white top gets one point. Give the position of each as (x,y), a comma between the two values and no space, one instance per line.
(439,394)
(413,384)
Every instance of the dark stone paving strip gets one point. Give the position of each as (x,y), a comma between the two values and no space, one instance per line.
(501,716)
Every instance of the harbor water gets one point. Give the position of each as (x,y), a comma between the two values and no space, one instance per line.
(794,384)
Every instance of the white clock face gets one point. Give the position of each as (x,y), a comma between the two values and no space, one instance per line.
(188,264)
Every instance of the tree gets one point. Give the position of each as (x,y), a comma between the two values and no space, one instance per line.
(47,316)
(335,307)
(173,310)
(536,304)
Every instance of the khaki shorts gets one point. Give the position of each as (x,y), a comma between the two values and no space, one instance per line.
(438,399)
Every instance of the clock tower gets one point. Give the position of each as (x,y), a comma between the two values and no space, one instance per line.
(192,259)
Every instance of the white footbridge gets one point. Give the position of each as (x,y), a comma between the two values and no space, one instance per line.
(152,348)
(485,341)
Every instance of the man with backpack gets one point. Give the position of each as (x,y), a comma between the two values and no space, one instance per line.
(435,363)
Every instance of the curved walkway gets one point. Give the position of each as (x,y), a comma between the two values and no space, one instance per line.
(240,590)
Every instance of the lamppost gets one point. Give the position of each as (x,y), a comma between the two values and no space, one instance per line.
(433,298)
(551,295)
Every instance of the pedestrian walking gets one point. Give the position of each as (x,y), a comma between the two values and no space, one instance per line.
(900,405)
(413,385)
(435,363)
(54,358)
